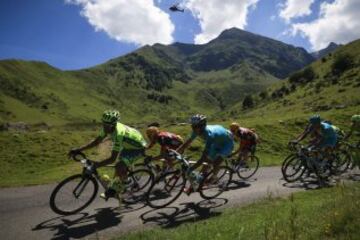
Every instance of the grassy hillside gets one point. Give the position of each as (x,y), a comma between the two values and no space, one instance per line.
(329,86)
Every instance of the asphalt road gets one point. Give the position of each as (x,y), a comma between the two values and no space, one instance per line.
(25,212)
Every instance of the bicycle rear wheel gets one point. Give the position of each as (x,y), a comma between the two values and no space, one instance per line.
(293,169)
(343,161)
(166,189)
(213,185)
(250,168)
(73,194)
(138,184)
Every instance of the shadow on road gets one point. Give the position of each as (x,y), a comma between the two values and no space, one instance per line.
(169,217)
(237,184)
(310,183)
(82,224)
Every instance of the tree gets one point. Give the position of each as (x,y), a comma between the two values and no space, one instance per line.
(342,63)
(248,102)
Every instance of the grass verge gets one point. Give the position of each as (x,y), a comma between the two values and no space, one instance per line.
(332,213)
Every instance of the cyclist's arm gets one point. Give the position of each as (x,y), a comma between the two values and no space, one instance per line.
(304,134)
(184,145)
(91,144)
(150,145)
(236,152)
(110,160)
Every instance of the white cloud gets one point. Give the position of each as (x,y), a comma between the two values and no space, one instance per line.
(295,8)
(338,22)
(217,15)
(135,21)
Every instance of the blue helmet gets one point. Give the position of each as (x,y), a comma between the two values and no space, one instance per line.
(198,120)
(315,119)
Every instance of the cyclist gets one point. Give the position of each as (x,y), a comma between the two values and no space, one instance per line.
(248,140)
(166,140)
(128,145)
(324,134)
(218,144)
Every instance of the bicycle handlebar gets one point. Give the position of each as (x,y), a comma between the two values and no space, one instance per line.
(79,156)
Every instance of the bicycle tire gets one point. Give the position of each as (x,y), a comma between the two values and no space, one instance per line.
(137,194)
(241,173)
(80,177)
(169,181)
(223,171)
(299,169)
(343,164)
(285,161)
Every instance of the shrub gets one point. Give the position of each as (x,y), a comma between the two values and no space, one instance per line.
(248,102)
(304,76)
(263,94)
(342,63)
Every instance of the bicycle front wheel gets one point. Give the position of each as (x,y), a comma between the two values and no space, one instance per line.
(293,169)
(215,183)
(166,189)
(249,169)
(73,194)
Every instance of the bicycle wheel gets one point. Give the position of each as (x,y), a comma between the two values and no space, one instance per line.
(343,161)
(166,189)
(293,169)
(286,160)
(138,184)
(213,185)
(73,194)
(250,168)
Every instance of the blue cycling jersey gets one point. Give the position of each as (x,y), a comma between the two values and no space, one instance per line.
(327,131)
(215,135)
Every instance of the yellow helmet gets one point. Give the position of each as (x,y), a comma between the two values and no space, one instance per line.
(152,132)
(234,126)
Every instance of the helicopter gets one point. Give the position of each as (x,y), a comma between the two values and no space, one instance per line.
(176,8)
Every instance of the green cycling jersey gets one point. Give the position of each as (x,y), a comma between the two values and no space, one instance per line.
(125,137)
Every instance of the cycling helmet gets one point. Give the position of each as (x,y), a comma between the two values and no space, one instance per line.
(234,126)
(198,120)
(110,116)
(152,132)
(315,119)
(355,118)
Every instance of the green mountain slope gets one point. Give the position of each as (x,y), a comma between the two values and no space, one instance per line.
(152,83)
(330,86)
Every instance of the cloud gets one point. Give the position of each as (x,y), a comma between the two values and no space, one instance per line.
(338,22)
(217,15)
(135,21)
(295,8)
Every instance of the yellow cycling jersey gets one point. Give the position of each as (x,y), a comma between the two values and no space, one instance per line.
(125,137)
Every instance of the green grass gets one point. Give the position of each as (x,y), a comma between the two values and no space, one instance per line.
(332,213)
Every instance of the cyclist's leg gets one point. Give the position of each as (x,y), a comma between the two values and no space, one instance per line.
(169,162)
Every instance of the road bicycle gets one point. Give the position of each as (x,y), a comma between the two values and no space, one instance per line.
(244,169)
(76,192)
(307,160)
(169,185)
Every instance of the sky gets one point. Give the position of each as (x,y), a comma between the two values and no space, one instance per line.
(76,34)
